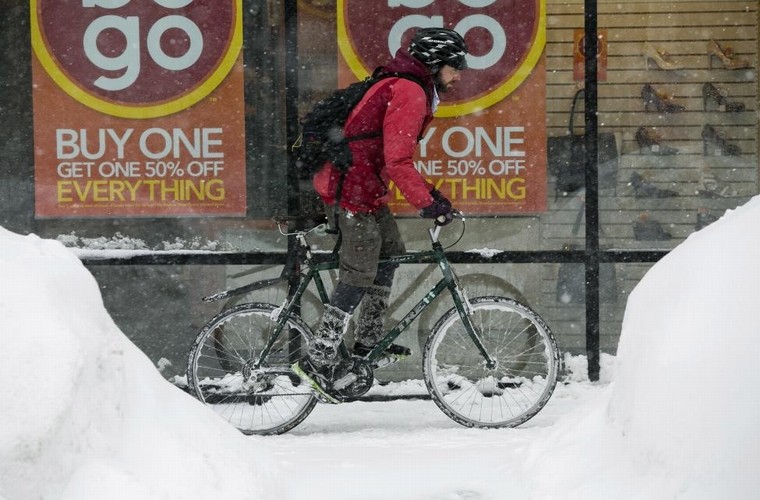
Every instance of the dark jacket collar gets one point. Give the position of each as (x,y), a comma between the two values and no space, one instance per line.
(404,62)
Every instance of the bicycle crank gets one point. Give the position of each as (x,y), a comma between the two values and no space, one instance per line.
(354,383)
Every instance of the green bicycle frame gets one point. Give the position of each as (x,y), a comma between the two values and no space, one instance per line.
(448,281)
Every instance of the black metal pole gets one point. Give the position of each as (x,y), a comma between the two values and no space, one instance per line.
(291,122)
(592,191)
(291,100)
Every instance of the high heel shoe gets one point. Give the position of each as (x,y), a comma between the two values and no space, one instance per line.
(644,189)
(721,146)
(704,218)
(712,187)
(650,141)
(726,56)
(649,229)
(661,59)
(711,93)
(661,102)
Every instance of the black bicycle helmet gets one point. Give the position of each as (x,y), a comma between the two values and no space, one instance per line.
(438,46)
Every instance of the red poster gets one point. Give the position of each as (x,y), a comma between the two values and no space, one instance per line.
(138,108)
(486,149)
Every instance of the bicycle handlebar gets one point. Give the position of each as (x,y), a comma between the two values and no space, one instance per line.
(284,219)
(301,232)
(435,231)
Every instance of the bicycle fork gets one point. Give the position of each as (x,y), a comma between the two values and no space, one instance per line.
(465,311)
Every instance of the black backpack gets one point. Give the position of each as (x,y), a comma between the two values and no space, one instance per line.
(322,139)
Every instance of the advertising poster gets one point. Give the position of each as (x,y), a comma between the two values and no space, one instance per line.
(579,55)
(486,148)
(138,108)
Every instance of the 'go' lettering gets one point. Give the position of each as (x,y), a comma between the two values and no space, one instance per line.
(463,26)
(129,60)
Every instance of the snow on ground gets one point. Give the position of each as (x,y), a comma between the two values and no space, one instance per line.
(86,416)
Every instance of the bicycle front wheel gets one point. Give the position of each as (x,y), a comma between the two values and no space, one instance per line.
(510,392)
(225,372)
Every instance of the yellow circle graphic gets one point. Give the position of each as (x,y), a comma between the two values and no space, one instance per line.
(137,111)
(477,104)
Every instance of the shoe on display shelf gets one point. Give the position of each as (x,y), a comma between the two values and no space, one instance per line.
(726,56)
(704,218)
(660,101)
(720,146)
(644,189)
(662,59)
(712,187)
(651,142)
(711,93)
(648,229)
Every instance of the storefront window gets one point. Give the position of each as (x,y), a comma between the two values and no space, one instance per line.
(677,143)
(680,97)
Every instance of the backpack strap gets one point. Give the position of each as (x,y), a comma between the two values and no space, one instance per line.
(377,75)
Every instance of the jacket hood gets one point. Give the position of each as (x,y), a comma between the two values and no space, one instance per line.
(404,62)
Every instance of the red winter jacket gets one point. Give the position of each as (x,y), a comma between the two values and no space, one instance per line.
(401,109)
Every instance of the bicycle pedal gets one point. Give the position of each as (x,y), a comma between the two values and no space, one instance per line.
(344,381)
(386,360)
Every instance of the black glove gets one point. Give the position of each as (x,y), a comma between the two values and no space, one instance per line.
(437,196)
(440,210)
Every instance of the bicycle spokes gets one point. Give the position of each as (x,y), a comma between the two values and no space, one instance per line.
(509,389)
(227,372)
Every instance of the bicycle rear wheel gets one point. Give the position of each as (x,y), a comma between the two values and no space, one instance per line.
(510,393)
(224,372)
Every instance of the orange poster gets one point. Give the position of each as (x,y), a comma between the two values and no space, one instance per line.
(579,57)
(486,149)
(138,108)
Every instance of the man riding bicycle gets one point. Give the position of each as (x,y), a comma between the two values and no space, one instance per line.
(402,109)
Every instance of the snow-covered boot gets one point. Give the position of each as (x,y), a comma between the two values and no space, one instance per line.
(370,323)
(324,346)
(318,368)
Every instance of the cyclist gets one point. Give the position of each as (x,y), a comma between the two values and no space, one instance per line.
(402,109)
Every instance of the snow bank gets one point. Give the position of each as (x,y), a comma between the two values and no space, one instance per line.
(686,393)
(681,418)
(84,412)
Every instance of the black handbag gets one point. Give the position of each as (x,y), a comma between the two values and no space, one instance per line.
(566,159)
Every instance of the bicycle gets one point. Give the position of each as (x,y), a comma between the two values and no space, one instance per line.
(488,362)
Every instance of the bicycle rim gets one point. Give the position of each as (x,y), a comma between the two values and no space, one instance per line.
(224,373)
(521,383)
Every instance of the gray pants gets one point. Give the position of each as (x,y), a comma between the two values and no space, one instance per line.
(365,239)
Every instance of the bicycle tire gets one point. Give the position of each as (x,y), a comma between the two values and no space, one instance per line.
(221,375)
(521,383)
